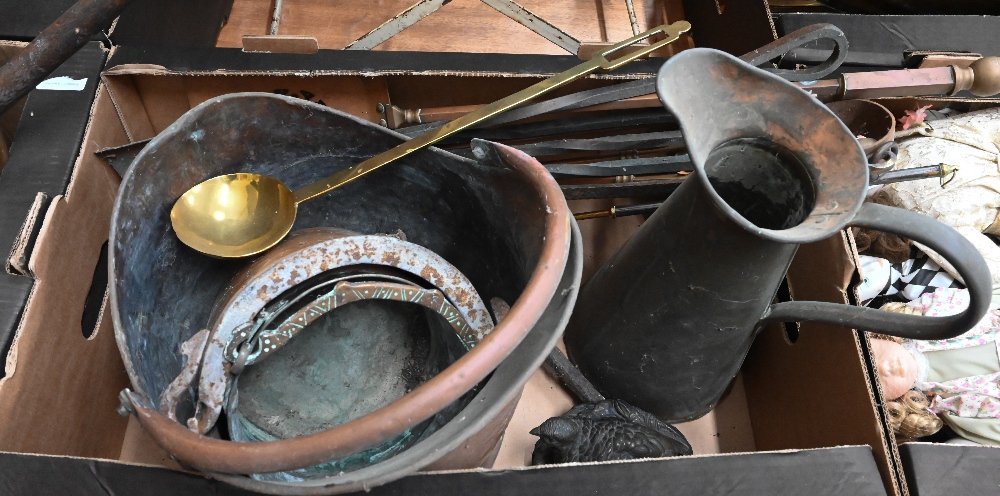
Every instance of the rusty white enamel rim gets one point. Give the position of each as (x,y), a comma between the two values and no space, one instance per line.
(319,250)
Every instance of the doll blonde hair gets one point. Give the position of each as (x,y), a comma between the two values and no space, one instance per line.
(910,418)
(875,243)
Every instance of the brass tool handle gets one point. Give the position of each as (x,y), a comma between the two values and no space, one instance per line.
(599,61)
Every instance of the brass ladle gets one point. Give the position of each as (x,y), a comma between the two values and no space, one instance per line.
(238,215)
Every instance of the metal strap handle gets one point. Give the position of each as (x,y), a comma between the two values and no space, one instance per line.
(798,38)
(939,237)
(266,342)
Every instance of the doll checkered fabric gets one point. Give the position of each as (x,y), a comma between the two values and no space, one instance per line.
(916,276)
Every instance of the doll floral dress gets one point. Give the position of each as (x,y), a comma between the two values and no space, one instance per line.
(963,373)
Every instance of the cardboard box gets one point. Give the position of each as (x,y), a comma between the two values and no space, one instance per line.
(174,23)
(883,41)
(472,27)
(22,21)
(903,33)
(188,23)
(799,420)
(929,468)
(41,411)
(946,469)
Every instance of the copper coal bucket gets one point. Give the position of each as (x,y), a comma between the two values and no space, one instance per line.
(501,221)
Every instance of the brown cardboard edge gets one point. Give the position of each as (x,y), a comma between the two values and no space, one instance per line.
(832,260)
(112,76)
(60,391)
(641,460)
(17,262)
(280,43)
(897,105)
(133,118)
(153,70)
(863,344)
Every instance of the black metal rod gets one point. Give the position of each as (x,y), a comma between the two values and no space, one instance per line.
(55,45)
(619,211)
(560,368)
(625,167)
(927,172)
(655,188)
(612,119)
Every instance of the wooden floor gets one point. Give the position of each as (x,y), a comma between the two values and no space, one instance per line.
(459,26)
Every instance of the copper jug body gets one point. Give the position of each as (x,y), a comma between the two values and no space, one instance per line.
(665,324)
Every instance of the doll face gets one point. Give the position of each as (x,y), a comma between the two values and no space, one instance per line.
(897,369)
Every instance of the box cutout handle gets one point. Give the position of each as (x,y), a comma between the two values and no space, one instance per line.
(20,253)
(790,329)
(94,305)
(280,44)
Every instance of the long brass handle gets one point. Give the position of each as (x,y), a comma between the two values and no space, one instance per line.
(599,61)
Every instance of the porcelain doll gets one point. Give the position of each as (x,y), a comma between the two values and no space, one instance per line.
(960,376)
(970,201)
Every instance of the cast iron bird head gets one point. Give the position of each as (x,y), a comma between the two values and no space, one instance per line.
(606,430)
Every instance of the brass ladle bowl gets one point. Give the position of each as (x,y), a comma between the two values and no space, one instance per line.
(243,214)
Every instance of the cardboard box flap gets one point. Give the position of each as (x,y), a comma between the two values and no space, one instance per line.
(17,262)
(811,379)
(949,469)
(52,359)
(54,121)
(360,62)
(831,471)
(24,20)
(173,23)
(127,103)
(884,40)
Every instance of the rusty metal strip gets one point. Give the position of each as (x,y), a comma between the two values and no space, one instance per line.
(268,341)
(266,318)
(342,250)
(393,26)
(540,26)
(631,16)
(193,350)
(276,18)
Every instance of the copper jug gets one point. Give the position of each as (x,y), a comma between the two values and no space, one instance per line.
(666,322)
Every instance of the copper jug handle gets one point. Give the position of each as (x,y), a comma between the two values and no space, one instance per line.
(939,237)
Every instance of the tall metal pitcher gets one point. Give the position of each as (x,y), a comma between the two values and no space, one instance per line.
(666,323)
